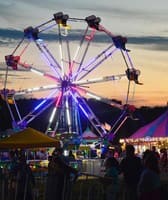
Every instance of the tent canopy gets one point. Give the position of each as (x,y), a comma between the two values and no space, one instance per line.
(156,129)
(28,138)
(89,135)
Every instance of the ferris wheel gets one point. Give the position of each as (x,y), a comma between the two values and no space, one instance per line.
(63,62)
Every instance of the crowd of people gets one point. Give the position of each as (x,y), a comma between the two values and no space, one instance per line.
(141,175)
(19,179)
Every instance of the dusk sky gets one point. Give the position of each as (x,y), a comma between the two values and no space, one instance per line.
(144,23)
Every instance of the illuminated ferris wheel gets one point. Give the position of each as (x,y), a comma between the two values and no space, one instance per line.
(60,62)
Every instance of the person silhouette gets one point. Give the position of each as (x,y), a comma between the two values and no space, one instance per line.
(59,177)
(25,180)
(111,176)
(131,168)
(149,184)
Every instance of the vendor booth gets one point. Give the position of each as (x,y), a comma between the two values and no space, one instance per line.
(152,134)
(28,138)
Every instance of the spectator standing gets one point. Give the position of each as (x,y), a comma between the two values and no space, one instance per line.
(59,174)
(12,174)
(155,152)
(131,168)
(110,179)
(149,184)
(164,160)
(71,156)
(25,180)
(13,163)
(58,152)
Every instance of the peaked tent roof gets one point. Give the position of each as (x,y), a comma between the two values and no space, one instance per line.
(157,128)
(89,135)
(28,138)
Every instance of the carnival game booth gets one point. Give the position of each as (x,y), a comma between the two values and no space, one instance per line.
(91,162)
(28,138)
(152,134)
(89,143)
(32,140)
(24,141)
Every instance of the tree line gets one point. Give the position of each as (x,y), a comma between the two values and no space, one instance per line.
(105,113)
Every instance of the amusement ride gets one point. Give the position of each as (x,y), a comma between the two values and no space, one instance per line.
(61,59)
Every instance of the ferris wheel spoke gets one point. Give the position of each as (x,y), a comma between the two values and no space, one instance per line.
(112,102)
(19,44)
(35,89)
(89,39)
(41,107)
(93,23)
(33,34)
(37,71)
(124,115)
(99,80)
(89,113)
(42,27)
(50,60)
(72,65)
(61,21)
(89,68)
(52,116)
(91,62)
(60,50)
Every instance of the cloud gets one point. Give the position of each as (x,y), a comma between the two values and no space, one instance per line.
(150,42)
(12,36)
(133,17)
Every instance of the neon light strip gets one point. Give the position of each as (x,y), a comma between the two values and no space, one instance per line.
(91,36)
(52,115)
(55,108)
(31,113)
(92,118)
(87,93)
(99,80)
(94,60)
(44,48)
(82,60)
(67,111)
(75,99)
(60,50)
(37,71)
(39,105)
(37,89)
(105,100)
(77,51)
(16,108)
(93,96)
(123,114)
(49,58)
(97,64)
(120,124)
(42,110)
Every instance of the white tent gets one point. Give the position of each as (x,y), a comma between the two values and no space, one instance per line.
(89,135)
